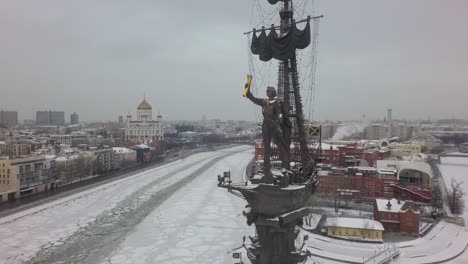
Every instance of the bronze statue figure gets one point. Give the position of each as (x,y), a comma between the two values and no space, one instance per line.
(274,126)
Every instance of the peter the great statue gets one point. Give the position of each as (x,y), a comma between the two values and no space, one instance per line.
(275,126)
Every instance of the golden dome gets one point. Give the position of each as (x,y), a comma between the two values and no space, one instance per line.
(144,106)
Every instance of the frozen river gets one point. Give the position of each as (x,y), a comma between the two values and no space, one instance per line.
(176,214)
(170,214)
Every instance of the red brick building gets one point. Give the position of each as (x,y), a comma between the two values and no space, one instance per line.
(363,186)
(397,216)
(348,155)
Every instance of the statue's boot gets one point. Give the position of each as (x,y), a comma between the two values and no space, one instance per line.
(268,177)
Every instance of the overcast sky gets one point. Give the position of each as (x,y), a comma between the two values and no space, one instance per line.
(98,57)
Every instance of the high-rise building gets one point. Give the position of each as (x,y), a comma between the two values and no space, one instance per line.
(389,123)
(42,118)
(57,117)
(9,118)
(121,120)
(74,119)
(203,120)
(375,131)
(50,118)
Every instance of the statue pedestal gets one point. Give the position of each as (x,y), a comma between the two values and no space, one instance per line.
(276,211)
(275,241)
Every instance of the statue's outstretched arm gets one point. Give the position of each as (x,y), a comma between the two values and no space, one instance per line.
(255,100)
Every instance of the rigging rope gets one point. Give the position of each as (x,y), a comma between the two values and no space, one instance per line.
(316,29)
(262,72)
(253,73)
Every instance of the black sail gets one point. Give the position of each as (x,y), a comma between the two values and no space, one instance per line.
(273,2)
(268,46)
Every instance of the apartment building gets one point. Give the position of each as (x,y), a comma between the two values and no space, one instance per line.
(22,176)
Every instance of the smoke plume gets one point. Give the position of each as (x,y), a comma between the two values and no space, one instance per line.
(348,129)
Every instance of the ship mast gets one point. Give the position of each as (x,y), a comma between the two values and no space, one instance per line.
(273,207)
(283,72)
(283,47)
(292,102)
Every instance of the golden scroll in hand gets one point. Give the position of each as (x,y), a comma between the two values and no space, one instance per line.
(247,85)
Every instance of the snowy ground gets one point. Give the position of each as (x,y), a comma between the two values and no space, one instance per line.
(344,212)
(443,241)
(441,244)
(170,214)
(311,221)
(457,168)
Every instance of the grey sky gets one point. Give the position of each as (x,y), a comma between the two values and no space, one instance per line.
(97,58)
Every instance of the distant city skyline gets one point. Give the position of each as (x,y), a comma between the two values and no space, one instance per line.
(98,58)
(382,117)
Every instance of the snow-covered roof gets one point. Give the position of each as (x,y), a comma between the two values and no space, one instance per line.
(362,168)
(122,150)
(322,173)
(49,156)
(357,223)
(188,132)
(328,146)
(382,205)
(386,172)
(65,158)
(68,150)
(143,146)
(401,165)
(79,133)
(335,168)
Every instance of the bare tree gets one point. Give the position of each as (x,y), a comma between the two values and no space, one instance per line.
(311,202)
(337,194)
(80,163)
(342,197)
(331,195)
(437,201)
(61,172)
(455,197)
(346,195)
(73,168)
